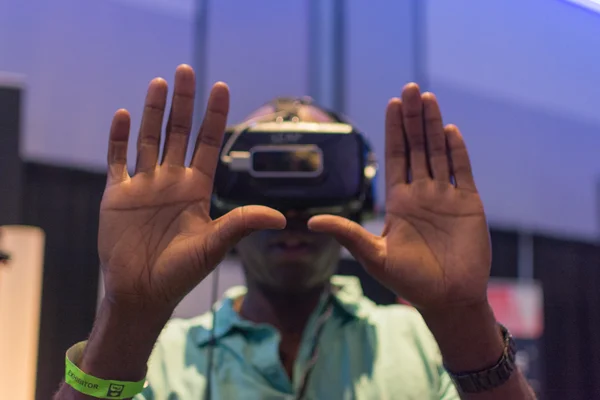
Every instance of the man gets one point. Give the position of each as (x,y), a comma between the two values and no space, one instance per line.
(295,332)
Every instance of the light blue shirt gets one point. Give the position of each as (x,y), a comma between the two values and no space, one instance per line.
(365,351)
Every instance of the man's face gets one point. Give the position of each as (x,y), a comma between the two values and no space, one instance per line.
(292,260)
(295,259)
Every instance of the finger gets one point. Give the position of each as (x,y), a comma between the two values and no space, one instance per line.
(149,137)
(117,147)
(436,139)
(459,159)
(208,143)
(180,117)
(412,110)
(396,158)
(362,244)
(233,226)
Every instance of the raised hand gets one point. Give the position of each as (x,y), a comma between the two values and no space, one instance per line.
(156,239)
(435,248)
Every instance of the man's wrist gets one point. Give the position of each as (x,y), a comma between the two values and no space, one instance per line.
(122,341)
(469,337)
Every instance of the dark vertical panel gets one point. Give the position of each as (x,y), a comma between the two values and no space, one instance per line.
(315,84)
(65,204)
(327,44)
(504,253)
(420,46)
(598,207)
(570,275)
(200,43)
(10,161)
(339,64)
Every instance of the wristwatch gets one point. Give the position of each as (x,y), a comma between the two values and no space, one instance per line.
(488,379)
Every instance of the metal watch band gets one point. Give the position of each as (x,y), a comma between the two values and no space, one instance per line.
(488,379)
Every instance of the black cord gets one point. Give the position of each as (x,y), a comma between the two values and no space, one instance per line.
(211,343)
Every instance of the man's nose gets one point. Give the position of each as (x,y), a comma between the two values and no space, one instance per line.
(296,220)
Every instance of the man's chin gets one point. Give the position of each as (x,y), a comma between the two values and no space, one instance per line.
(297,278)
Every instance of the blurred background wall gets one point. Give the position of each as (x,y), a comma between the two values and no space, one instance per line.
(80,60)
(519,77)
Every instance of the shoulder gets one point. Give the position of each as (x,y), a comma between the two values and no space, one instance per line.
(399,324)
(175,351)
(399,317)
(405,341)
(179,331)
(188,337)
(403,327)
(405,353)
(181,338)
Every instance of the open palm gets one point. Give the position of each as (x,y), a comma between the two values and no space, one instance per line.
(435,249)
(156,239)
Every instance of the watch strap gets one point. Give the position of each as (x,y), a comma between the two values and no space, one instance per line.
(490,378)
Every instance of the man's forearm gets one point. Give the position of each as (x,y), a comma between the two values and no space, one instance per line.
(119,345)
(470,340)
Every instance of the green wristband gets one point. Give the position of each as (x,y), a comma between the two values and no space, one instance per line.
(96,387)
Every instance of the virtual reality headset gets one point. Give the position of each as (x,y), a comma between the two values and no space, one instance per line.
(278,160)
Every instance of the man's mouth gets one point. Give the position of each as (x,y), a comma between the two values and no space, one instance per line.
(291,243)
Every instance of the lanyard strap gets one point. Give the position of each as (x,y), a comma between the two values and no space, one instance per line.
(314,353)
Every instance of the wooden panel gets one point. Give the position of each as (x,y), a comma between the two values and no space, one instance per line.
(20,304)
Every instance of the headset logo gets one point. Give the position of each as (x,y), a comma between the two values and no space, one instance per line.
(115,391)
(284,137)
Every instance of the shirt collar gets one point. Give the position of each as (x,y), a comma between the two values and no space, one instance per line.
(347,295)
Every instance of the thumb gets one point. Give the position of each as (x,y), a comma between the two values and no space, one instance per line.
(362,244)
(240,222)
